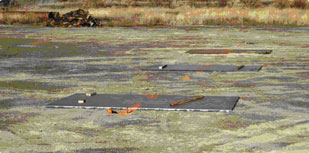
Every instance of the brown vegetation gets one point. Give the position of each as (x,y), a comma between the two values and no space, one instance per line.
(282,4)
(187,16)
(178,12)
(23,17)
(300,4)
(251,3)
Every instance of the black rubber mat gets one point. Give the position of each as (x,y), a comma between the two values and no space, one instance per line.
(152,102)
(203,68)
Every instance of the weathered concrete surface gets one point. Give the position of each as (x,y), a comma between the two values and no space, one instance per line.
(271,115)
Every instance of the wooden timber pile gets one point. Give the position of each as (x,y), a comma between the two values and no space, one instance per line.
(77,18)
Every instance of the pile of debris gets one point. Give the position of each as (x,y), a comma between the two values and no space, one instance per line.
(75,18)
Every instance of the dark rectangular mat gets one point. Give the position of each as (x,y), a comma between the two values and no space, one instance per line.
(203,68)
(228,51)
(148,102)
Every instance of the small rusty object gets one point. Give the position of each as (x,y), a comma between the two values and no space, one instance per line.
(91,94)
(162,67)
(239,67)
(111,111)
(81,101)
(176,103)
(250,43)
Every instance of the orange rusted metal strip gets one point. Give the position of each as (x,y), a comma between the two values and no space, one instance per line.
(129,110)
(176,103)
(228,51)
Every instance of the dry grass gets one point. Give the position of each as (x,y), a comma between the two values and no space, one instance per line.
(183,16)
(282,4)
(187,16)
(13,17)
(302,4)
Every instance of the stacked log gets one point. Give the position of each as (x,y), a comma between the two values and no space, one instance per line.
(77,18)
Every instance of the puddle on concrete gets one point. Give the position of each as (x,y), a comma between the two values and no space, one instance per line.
(301,104)
(259,117)
(285,86)
(18,102)
(115,77)
(62,67)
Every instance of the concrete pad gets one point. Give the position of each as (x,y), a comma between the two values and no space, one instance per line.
(157,102)
(204,68)
(228,51)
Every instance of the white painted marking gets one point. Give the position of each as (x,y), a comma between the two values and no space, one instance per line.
(162,67)
(158,109)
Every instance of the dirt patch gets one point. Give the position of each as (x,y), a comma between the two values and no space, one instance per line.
(7,119)
(232,122)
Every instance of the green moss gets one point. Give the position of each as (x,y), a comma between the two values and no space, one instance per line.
(7,43)
(11,48)
(4,124)
(40,69)
(28,85)
(4,104)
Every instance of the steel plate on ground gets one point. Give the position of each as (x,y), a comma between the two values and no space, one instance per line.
(148,102)
(203,68)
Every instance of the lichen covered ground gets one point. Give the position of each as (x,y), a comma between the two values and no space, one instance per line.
(39,65)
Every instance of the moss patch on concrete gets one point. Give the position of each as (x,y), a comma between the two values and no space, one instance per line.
(29,85)
(4,104)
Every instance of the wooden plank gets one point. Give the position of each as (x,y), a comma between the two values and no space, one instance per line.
(176,103)
(228,51)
